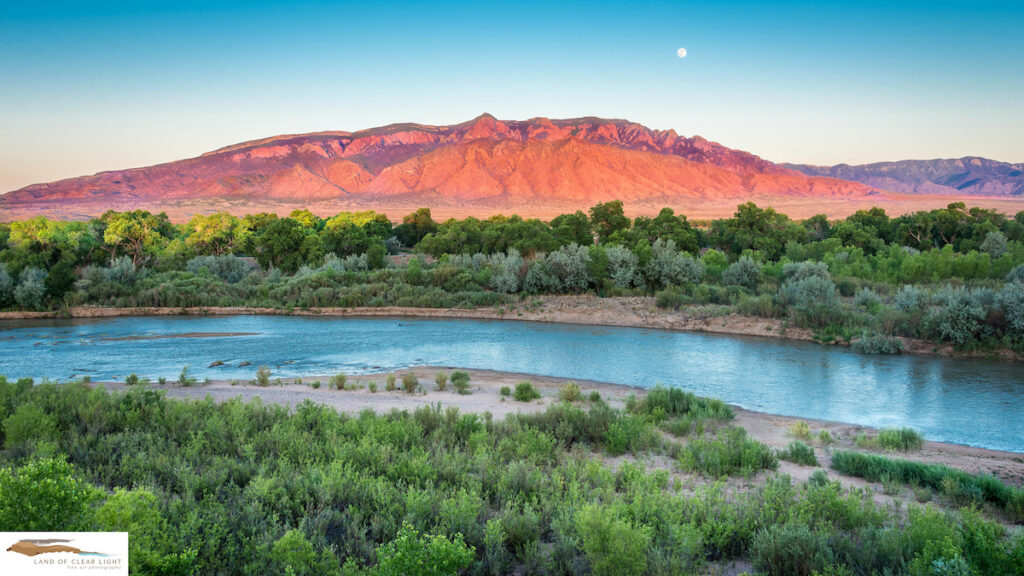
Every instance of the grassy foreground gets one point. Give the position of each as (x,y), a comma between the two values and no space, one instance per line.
(248,488)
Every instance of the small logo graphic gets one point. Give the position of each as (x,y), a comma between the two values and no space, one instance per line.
(39,553)
(34,547)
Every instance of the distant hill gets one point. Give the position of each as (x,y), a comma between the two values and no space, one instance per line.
(482,165)
(970,176)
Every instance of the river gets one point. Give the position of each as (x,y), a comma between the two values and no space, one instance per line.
(973,402)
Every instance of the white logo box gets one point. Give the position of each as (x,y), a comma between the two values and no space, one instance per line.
(42,553)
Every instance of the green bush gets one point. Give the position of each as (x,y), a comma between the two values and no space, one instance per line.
(132,379)
(875,343)
(411,554)
(45,495)
(28,423)
(263,376)
(730,453)
(389,382)
(338,381)
(614,547)
(460,381)
(570,392)
(791,550)
(525,392)
(410,382)
(505,391)
(902,439)
(441,381)
(799,453)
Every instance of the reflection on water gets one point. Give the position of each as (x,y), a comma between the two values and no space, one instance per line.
(975,402)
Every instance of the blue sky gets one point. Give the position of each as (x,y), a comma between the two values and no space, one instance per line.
(106,85)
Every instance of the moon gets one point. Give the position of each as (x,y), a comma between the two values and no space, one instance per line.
(681,52)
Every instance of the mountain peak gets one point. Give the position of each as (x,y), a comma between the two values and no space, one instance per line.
(484,162)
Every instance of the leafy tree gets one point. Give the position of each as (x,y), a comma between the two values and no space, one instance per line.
(607,218)
(307,219)
(668,226)
(285,244)
(570,265)
(415,227)
(60,279)
(411,554)
(215,234)
(137,234)
(753,228)
(573,227)
(45,495)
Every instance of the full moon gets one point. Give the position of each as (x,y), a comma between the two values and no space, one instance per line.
(681,52)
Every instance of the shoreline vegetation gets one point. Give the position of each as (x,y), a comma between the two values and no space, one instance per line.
(625,312)
(347,475)
(944,281)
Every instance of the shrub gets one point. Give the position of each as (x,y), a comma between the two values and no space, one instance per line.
(263,376)
(595,396)
(825,437)
(372,386)
(315,385)
(6,287)
(903,439)
(45,495)
(229,268)
(623,267)
(28,423)
(745,272)
(812,299)
(613,546)
(800,430)
(1016,275)
(876,343)
(730,453)
(31,288)
(184,379)
(460,381)
(570,392)
(799,453)
(1011,300)
(411,554)
(410,382)
(505,391)
(441,381)
(866,299)
(338,381)
(389,382)
(132,379)
(994,244)
(791,549)
(908,298)
(525,392)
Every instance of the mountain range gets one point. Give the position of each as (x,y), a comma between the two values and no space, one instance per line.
(538,167)
(485,163)
(969,176)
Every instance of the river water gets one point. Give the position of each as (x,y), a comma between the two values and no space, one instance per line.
(974,402)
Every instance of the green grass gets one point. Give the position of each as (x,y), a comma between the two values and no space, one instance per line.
(956,484)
